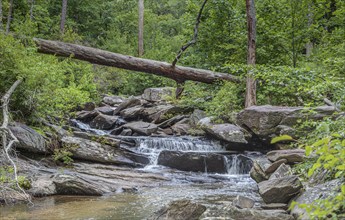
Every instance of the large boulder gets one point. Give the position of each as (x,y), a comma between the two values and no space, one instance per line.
(106,122)
(142,128)
(321,191)
(280,190)
(195,162)
(86,116)
(132,113)
(257,171)
(179,210)
(243,202)
(127,104)
(157,94)
(160,113)
(292,155)
(29,139)
(113,100)
(106,110)
(282,171)
(269,121)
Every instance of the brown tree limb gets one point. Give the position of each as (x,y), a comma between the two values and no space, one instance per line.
(195,36)
(102,57)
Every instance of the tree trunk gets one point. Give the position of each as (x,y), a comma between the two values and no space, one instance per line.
(251,82)
(141,29)
(1,26)
(9,17)
(97,56)
(63,16)
(32,10)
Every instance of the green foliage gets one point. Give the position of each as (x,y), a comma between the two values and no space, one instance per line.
(7,178)
(281,138)
(63,155)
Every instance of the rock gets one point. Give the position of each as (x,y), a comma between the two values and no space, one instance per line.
(243,202)
(282,171)
(113,100)
(265,121)
(89,106)
(321,191)
(292,156)
(196,116)
(86,116)
(101,139)
(126,132)
(170,122)
(280,190)
(93,151)
(195,162)
(181,128)
(157,94)
(235,136)
(270,206)
(132,113)
(179,210)
(106,122)
(127,104)
(257,172)
(142,127)
(160,113)
(232,213)
(44,186)
(275,166)
(29,139)
(106,110)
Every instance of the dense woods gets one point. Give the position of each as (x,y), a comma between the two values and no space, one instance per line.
(283,52)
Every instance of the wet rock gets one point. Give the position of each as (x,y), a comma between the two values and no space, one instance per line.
(29,139)
(157,94)
(179,210)
(280,190)
(106,110)
(89,106)
(274,166)
(321,191)
(113,100)
(106,122)
(170,122)
(195,162)
(292,156)
(266,121)
(282,171)
(132,113)
(86,116)
(257,172)
(126,132)
(196,116)
(93,151)
(243,202)
(271,206)
(142,128)
(101,139)
(127,104)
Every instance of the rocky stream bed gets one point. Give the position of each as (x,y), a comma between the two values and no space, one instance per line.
(145,158)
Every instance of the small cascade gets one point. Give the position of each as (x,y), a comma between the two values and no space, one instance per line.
(238,164)
(86,127)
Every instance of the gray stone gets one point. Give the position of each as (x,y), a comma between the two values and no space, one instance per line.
(132,113)
(181,128)
(127,104)
(86,116)
(196,116)
(292,156)
(270,206)
(157,94)
(142,128)
(126,132)
(170,122)
(243,202)
(179,210)
(280,190)
(160,113)
(275,166)
(106,122)
(101,139)
(113,100)
(257,172)
(282,171)
(43,186)
(195,162)
(89,106)
(321,191)
(106,110)
(29,139)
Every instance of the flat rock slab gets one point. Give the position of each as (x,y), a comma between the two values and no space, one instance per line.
(142,128)
(292,156)
(86,116)
(106,110)
(280,190)
(274,166)
(113,100)
(271,206)
(195,162)
(243,202)
(282,171)
(106,122)
(127,104)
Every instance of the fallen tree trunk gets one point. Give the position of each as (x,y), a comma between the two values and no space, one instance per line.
(102,57)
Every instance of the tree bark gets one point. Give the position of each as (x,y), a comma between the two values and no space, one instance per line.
(1,26)
(63,16)
(32,9)
(97,56)
(9,17)
(141,28)
(251,59)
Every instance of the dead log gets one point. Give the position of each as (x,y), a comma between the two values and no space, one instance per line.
(106,58)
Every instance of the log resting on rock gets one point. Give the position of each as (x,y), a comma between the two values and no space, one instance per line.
(102,57)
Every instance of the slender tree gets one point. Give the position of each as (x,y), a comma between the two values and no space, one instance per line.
(251,59)
(32,9)
(63,16)
(1,27)
(9,17)
(141,29)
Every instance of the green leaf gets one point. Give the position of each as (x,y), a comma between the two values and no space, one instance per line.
(281,138)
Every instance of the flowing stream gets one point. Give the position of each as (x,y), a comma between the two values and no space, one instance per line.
(210,189)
